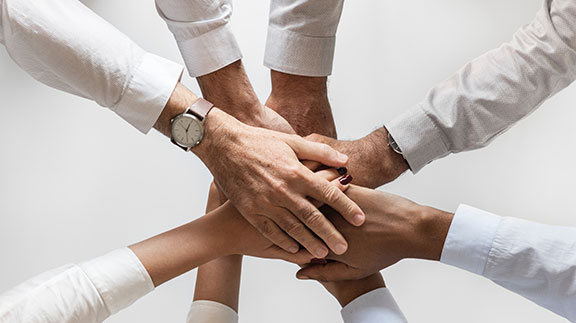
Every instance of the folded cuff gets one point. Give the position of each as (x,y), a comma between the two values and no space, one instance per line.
(210,52)
(470,239)
(148,91)
(119,277)
(297,54)
(211,312)
(419,139)
(372,307)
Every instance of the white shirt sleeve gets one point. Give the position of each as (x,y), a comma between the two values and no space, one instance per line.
(493,92)
(203,33)
(211,312)
(534,260)
(89,292)
(377,306)
(65,45)
(302,36)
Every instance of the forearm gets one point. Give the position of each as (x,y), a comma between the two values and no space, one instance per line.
(347,291)
(493,92)
(303,102)
(178,251)
(219,281)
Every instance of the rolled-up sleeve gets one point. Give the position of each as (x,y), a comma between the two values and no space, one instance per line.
(65,45)
(493,92)
(302,36)
(203,33)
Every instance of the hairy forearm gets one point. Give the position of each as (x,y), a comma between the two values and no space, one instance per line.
(303,102)
(180,99)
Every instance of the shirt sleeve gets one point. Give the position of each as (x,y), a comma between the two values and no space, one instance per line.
(65,45)
(89,292)
(493,92)
(376,306)
(203,33)
(211,312)
(534,260)
(302,36)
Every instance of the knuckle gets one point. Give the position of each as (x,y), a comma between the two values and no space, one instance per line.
(265,226)
(295,229)
(314,219)
(332,195)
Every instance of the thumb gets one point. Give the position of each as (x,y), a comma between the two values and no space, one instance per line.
(332,271)
(322,153)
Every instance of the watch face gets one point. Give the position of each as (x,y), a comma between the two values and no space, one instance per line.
(187,130)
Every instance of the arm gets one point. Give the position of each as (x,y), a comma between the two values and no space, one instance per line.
(534,260)
(217,283)
(94,290)
(56,44)
(300,54)
(493,92)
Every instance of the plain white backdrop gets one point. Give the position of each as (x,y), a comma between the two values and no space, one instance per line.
(76,181)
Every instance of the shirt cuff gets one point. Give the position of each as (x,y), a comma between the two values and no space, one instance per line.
(373,307)
(119,277)
(211,312)
(297,54)
(419,139)
(148,92)
(210,52)
(470,239)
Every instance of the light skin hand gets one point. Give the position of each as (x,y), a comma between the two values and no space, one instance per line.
(372,162)
(395,229)
(261,172)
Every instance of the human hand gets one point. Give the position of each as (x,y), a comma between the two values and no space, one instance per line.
(247,240)
(372,162)
(260,172)
(395,229)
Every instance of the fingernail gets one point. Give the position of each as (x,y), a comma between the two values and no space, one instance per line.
(342,157)
(342,170)
(321,253)
(318,261)
(358,219)
(344,180)
(340,248)
(302,277)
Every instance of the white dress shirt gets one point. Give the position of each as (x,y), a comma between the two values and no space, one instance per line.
(65,45)
(301,34)
(494,91)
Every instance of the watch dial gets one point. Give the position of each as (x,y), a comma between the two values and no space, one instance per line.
(187,131)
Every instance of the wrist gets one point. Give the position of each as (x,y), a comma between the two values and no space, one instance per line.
(219,129)
(230,89)
(431,230)
(178,102)
(388,163)
(286,86)
(347,291)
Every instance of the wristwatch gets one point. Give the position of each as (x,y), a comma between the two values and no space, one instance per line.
(392,143)
(187,129)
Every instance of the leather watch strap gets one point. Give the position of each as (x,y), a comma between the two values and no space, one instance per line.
(201,108)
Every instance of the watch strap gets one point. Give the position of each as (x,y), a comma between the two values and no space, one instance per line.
(201,108)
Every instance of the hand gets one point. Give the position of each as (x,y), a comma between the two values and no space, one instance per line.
(247,240)
(372,162)
(303,102)
(260,172)
(395,229)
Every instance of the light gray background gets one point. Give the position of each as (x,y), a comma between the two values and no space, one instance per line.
(76,181)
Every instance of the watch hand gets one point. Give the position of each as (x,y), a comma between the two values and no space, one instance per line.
(188,127)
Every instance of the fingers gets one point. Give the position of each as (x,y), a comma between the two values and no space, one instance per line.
(297,230)
(321,226)
(333,196)
(331,271)
(300,258)
(272,232)
(322,153)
